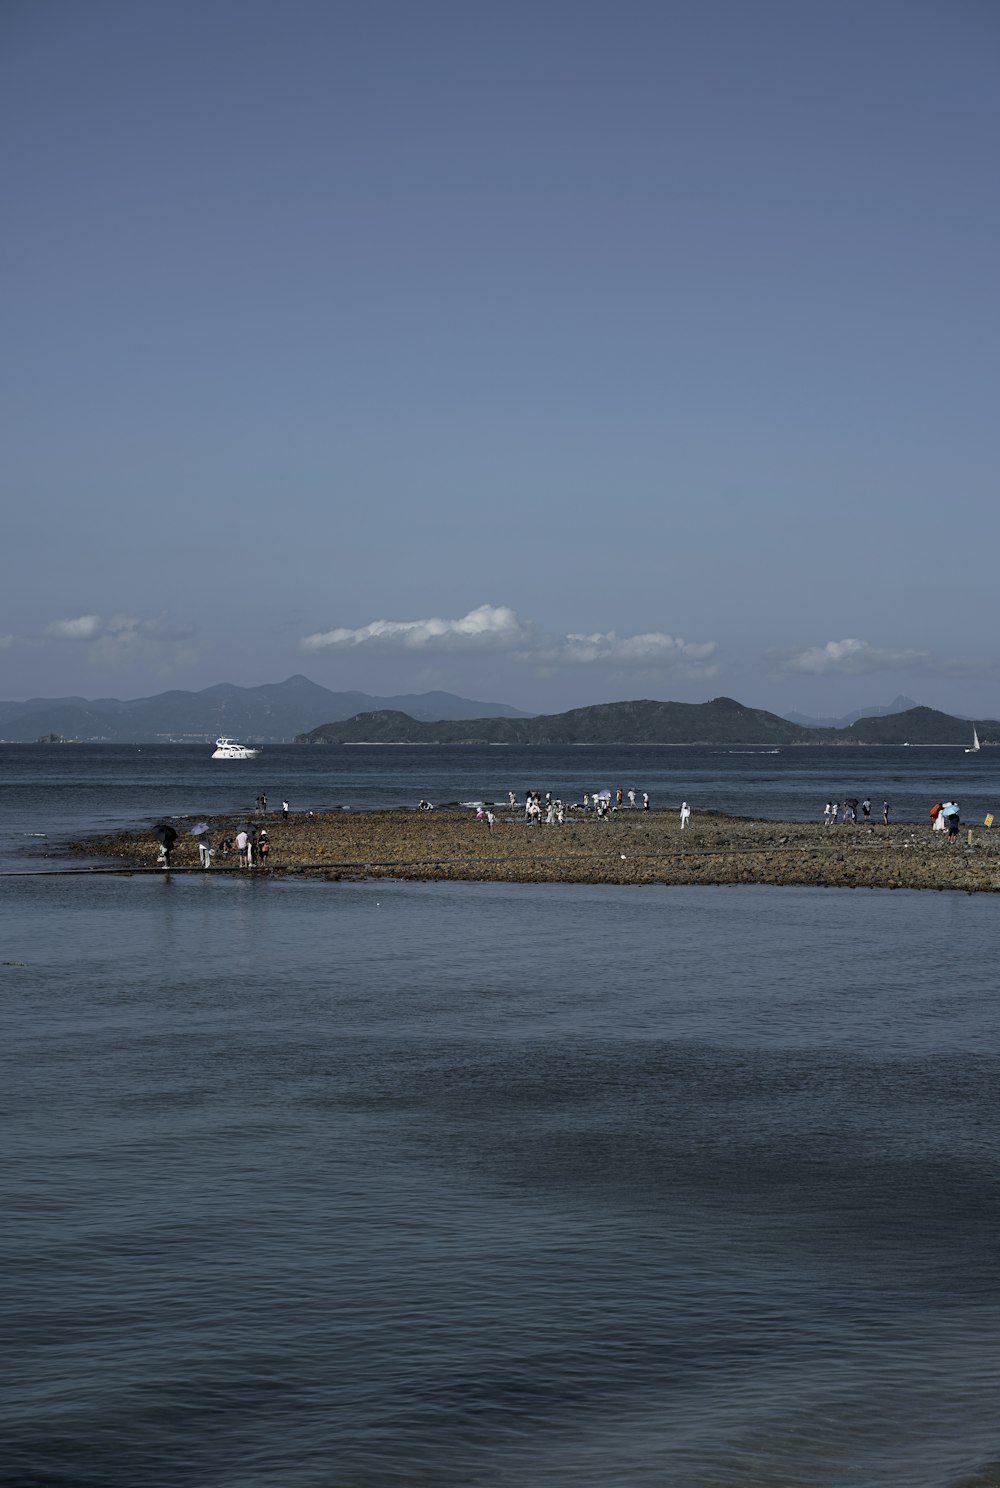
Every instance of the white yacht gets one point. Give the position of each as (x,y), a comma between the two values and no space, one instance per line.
(229,749)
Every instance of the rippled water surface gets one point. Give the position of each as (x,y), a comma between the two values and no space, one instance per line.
(340,1186)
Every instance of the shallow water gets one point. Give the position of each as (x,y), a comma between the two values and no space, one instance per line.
(361,1184)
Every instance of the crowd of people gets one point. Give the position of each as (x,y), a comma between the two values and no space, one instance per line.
(251,843)
(945,817)
(552,810)
(847,811)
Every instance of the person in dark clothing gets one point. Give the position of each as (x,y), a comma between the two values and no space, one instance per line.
(167,837)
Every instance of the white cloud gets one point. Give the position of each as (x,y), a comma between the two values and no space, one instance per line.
(489,626)
(498,628)
(852,657)
(654,648)
(112,633)
(83,628)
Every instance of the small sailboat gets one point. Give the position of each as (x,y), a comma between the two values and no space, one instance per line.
(975,742)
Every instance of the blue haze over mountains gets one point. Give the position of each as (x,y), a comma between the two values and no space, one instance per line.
(265,714)
(899,704)
(270,713)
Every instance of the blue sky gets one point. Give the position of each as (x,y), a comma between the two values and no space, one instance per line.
(547,353)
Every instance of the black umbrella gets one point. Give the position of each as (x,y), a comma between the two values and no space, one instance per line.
(166,834)
(853,803)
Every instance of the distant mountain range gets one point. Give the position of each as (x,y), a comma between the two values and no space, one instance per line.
(722,721)
(874,710)
(302,710)
(261,715)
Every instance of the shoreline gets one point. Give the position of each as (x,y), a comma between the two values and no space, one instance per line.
(630,847)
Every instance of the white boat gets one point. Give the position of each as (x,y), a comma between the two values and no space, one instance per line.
(976,746)
(230,749)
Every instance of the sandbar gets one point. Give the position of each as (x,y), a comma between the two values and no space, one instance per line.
(629,847)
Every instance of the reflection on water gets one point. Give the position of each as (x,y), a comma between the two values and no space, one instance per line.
(497,1184)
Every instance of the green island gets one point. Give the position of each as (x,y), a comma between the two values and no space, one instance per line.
(721,721)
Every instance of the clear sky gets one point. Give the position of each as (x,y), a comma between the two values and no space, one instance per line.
(550,353)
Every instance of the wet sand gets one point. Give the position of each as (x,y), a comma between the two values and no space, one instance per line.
(631,847)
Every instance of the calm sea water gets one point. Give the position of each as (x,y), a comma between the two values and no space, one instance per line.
(341,1186)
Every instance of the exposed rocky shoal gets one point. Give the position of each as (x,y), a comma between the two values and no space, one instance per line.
(630,847)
